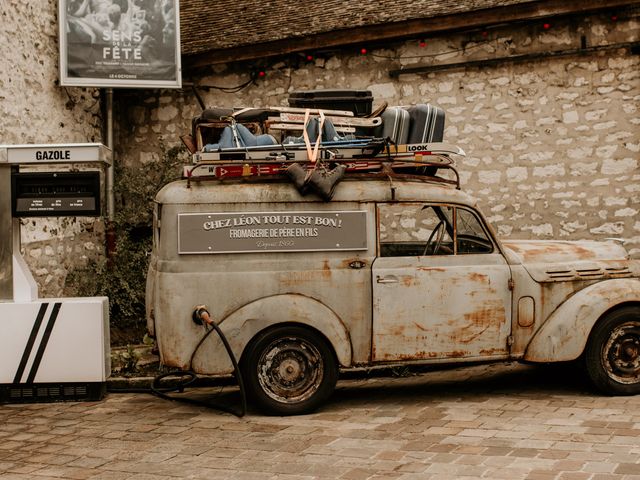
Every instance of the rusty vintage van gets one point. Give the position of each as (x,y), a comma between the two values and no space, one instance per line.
(394,270)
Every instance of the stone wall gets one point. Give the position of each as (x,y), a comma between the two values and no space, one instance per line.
(552,143)
(35,109)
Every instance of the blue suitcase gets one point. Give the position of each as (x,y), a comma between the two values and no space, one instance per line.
(427,123)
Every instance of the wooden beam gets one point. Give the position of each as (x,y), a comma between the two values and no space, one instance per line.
(527,57)
(397,30)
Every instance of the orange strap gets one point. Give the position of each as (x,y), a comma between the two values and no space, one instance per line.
(312,153)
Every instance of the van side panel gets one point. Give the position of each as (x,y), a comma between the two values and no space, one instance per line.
(242,325)
(247,292)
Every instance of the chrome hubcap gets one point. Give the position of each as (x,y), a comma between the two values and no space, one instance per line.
(290,370)
(621,353)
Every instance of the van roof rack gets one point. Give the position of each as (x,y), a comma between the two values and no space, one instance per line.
(368,159)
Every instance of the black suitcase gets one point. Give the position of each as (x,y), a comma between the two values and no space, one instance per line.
(357,101)
(395,125)
(427,123)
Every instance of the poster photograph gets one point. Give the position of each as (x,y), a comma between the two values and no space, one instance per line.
(120,43)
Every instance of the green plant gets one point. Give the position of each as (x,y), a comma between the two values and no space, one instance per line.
(122,277)
(127,360)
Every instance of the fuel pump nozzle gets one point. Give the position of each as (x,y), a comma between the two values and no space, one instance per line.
(201,315)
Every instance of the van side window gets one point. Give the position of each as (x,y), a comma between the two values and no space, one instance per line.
(470,236)
(410,230)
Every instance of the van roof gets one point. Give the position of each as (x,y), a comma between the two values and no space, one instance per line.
(281,191)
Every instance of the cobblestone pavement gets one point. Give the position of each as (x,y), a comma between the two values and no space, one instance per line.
(494,422)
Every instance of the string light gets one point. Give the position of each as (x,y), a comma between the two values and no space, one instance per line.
(363,51)
(546,26)
(422,43)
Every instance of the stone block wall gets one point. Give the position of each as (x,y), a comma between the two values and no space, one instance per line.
(35,109)
(552,143)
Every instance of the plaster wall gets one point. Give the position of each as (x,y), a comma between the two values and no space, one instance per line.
(35,109)
(553,144)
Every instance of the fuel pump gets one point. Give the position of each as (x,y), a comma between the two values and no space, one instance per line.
(51,349)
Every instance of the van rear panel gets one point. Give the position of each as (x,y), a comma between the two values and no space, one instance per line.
(255,264)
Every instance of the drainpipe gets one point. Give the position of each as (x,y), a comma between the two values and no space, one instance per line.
(6,232)
(110,230)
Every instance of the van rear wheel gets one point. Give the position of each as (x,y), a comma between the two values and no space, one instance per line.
(612,355)
(289,370)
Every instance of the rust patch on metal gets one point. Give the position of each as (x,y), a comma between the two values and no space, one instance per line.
(296,279)
(423,355)
(420,327)
(486,314)
(408,280)
(457,354)
(397,330)
(489,316)
(491,351)
(530,254)
(548,251)
(478,277)
(432,269)
(326,269)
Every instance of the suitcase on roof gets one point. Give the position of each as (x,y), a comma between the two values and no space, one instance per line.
(395,125)
(357,101)
(427,123)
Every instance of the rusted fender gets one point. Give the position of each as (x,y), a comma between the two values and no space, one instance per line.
(243,324)
(564,335)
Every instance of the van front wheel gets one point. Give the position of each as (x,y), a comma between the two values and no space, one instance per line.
(612,355)
(289,370)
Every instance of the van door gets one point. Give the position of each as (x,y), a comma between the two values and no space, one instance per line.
(440,286)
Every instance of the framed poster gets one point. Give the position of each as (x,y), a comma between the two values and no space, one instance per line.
(120,43)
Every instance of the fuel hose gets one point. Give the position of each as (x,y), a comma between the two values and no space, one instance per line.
(188,377)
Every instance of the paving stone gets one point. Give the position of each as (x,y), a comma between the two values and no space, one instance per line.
(628,469)
(451,425)
(574,476)
(541,475)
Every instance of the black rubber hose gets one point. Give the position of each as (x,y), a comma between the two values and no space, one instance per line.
(162,392)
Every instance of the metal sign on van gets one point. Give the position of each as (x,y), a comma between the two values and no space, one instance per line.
(239,232)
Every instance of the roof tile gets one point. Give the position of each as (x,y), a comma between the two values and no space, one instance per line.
(219,24)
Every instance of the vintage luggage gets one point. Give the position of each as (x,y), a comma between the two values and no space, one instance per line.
(395,125)
(357,101)
(427,123)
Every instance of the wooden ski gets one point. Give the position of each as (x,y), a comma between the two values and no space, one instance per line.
(313,111)
(298,118)
(300,127)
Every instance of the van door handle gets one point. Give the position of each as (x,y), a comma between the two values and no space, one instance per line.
(388,279)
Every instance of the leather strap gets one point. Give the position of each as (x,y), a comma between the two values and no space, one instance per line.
(312,153)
